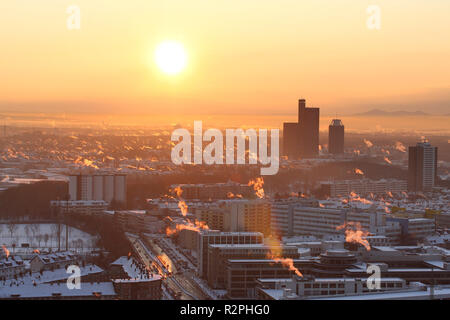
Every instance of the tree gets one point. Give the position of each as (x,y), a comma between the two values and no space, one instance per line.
(38,197)
(35,228)
(46,238)
(74,244)
(28,232)
(81,244)
(12,227)
(39,239)
(54,228)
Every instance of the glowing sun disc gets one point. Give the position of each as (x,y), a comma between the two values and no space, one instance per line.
(170,57)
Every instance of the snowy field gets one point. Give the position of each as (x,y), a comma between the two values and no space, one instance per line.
(24,238)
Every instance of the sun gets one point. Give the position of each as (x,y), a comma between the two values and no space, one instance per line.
(170,57)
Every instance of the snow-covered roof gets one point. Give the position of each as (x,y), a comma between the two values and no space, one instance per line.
(56,290)
(50,276)
(131,268)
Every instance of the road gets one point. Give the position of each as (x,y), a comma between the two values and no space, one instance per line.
(175,282)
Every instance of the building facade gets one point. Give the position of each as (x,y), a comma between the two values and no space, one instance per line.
(363,187)
(422,167)
(336,137)
(207,238)
(301,139)
(104,187)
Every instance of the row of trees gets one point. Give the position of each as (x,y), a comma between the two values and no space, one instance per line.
(31,201)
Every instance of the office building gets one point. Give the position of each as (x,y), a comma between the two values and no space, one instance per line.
(336,137)
(301,139)
(137,221)
(291,140)
(85,207)
(290,219)
(414,229)
(241,275)
(297,288)
(422,167)
(216,237)
(362,187)
(104,187)
(218,255)
(237,215)
(214,191)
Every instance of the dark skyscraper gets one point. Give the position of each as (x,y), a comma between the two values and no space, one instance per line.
(301,139)
(336,137)
(422,167)
(291,140)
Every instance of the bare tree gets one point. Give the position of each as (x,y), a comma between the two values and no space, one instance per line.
(12,227)
(39,239)
(46,238)
(54,228)
(28,232)
(35,228)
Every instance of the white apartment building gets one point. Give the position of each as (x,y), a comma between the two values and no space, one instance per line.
(317,221)
(106,187)
(296,220)
(342,188)
(80,206)
(298,288)
(239,215)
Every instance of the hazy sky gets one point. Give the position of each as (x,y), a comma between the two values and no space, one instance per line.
(245,56)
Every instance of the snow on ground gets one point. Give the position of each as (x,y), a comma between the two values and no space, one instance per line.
(49,290)
(43,236)
(202,284)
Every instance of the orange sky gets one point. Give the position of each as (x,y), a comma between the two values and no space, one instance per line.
(244,56)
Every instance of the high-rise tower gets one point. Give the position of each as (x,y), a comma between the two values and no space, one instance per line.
(422,167)
(336,137)
(301,139)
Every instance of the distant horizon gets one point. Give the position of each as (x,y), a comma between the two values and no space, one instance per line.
(428,125)
(75,107)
